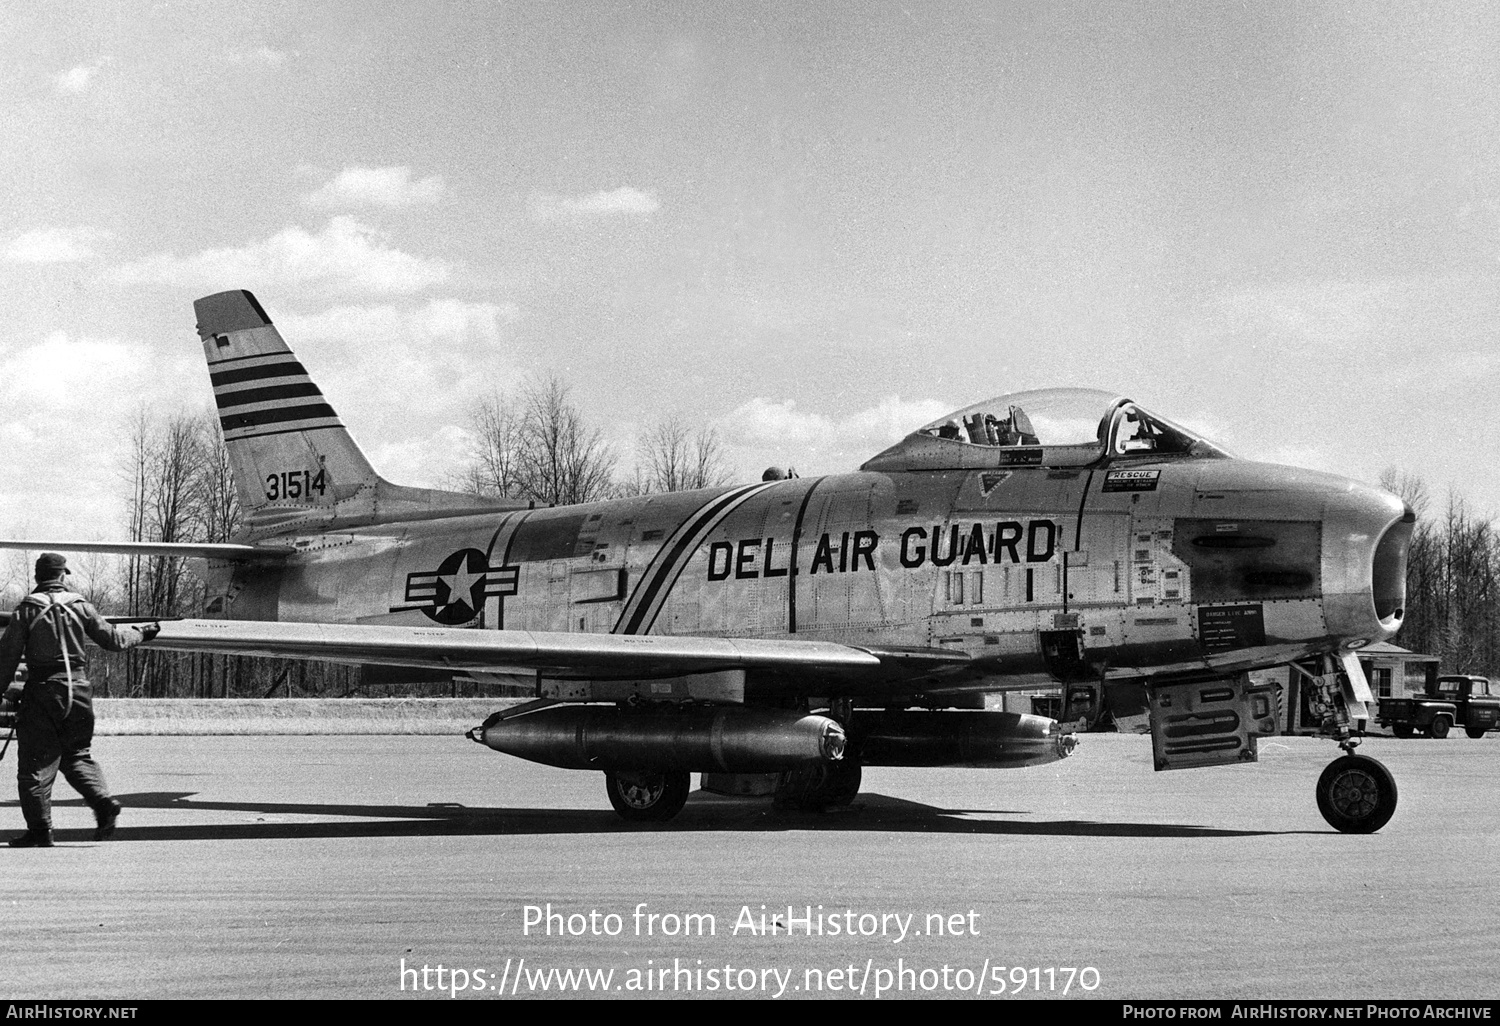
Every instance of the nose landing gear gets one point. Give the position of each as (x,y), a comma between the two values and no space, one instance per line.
(1356,794)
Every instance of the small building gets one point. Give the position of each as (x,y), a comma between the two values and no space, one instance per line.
(1391,670)
(1395,672)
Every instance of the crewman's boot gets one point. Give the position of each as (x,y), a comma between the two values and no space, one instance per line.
(32,839)
(105,816)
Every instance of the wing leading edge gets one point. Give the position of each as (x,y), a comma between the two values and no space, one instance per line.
(563,656)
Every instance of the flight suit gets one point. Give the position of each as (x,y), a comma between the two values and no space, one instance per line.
(55,723)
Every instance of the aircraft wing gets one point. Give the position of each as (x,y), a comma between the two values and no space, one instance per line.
(554,654)
(203,550)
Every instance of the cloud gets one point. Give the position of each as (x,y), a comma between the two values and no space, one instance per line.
(401,375)
(262,55)
(441,323)
(55,368)
(765,432)
(1328,315)
(764,421)
(346,256)
(53,245)
(623,201)
(76,80)
(404,376)
(375,187)
(66,403)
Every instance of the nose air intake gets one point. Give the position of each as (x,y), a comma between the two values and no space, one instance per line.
(1388,580)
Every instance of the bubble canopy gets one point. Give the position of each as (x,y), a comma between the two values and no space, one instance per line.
(1049,426)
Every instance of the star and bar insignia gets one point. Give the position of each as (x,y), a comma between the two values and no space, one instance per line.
(456,591)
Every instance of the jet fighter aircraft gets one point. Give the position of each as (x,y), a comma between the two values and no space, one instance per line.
(779,635)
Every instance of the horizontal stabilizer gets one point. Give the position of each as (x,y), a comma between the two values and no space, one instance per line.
(5,619)
(202,550)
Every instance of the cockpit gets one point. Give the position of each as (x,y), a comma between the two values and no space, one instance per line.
(1045,427)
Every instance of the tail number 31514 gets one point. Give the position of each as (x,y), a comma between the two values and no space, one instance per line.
(294,484)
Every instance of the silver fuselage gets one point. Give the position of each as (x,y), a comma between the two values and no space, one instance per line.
(1131,568)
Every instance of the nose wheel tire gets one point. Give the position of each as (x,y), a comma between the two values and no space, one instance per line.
(647,797)
(1356,794)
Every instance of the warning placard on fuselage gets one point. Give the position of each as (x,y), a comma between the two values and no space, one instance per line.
(1221,628)
(1131,480)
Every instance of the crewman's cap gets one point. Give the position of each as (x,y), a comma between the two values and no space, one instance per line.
(50,565)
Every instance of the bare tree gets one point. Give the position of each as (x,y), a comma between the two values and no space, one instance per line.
(94,577)
(1469,557)
(16,571)
(536,446)
(174,497)
(562,460)
(670,458)
(493,466)
(1452,564)
(1411,489)
(217,509)
(172,507)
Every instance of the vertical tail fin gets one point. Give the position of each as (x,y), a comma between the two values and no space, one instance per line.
(294,462)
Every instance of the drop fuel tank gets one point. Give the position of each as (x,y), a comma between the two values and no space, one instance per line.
(726,739)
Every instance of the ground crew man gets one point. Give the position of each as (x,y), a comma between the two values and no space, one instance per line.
(55,724)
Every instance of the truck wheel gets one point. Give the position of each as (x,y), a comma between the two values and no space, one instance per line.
(1475,732)
(1401,729)
(1440,726)
(648,797)
(1356,794)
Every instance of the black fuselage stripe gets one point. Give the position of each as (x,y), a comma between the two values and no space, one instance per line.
(235,421)
(1077,537)
(670,568)
(791,581)
(661,559)
(664,570)
(1082,504)
(648,573)
(489,556)
(653,606)
(281,369)
(296,390)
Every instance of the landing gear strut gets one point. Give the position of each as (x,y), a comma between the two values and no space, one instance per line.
(1356,794)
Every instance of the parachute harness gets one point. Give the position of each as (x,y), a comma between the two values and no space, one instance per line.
(59,611)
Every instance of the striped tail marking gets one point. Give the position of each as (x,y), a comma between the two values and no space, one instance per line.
(267,395)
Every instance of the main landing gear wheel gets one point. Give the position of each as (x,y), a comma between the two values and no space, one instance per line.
(647,797)
(816,788)
(1356,794)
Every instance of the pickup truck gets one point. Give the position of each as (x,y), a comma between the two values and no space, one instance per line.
(1452,700)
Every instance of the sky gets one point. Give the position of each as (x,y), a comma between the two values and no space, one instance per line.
(810,226)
